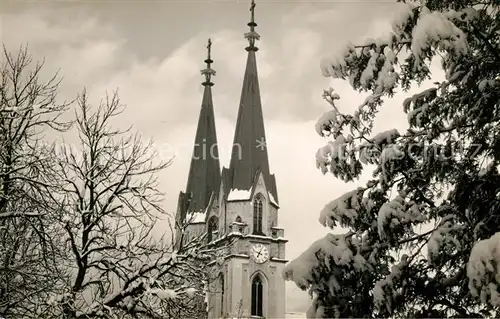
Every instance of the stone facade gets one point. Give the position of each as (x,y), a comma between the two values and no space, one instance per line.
(247,280)
(238,269)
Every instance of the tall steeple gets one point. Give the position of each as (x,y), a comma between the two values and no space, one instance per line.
(249,154)
(246,219)
(204,173)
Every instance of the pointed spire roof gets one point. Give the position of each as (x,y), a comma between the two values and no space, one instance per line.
(204,173)
(249,155)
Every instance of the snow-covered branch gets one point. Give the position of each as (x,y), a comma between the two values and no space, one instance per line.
(435,188)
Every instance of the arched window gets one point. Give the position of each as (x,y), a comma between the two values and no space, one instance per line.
(257,215)
(213,225)
(257,293)
(221,281)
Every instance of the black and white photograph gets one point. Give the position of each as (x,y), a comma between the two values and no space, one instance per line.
(246,159)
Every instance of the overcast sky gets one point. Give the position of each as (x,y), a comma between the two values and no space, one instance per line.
(153,51)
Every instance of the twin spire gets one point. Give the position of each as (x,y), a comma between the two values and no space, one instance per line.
(204,172)
(249,154)
(251,36)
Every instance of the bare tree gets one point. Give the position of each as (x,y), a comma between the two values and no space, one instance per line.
(112,265)
(28,107)
(77,235)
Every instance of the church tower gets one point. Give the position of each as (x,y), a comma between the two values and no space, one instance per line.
(251,280)
(204,173)
(238,208)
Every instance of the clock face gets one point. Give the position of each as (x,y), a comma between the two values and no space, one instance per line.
(259,253)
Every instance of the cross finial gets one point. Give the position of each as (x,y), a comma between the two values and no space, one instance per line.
(209,47)
(208,71)
(252,12)
(252,35)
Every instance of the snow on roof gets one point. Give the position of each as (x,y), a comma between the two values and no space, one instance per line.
(199,217)
(298,315)
(272,199)
(239,194)
(196,217)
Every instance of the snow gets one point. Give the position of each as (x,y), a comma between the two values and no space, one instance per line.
(400,21)
(196,217)
(443,235)
(344,207)
(173,256)
(329,152)
(272,199)
(483,270)
(165,293)
(434,28)
(334,65)
(55,299)
(369,72)
(205,290)
(419,109)
(327,119)
(190,292)
(385,286)
(386,137)
(387,78)
(301,270)
(239,194)
(397,212)
(391,152)
(288,315)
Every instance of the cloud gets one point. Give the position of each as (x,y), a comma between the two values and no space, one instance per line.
(166,91)
(163,91)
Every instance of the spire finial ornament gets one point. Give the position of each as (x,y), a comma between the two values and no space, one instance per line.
(209,49)
(208,71)
(252,35)
(252,20)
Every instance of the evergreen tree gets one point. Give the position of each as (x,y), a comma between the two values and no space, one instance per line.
(432,250)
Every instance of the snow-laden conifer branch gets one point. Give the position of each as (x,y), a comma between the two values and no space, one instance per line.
(430,196)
